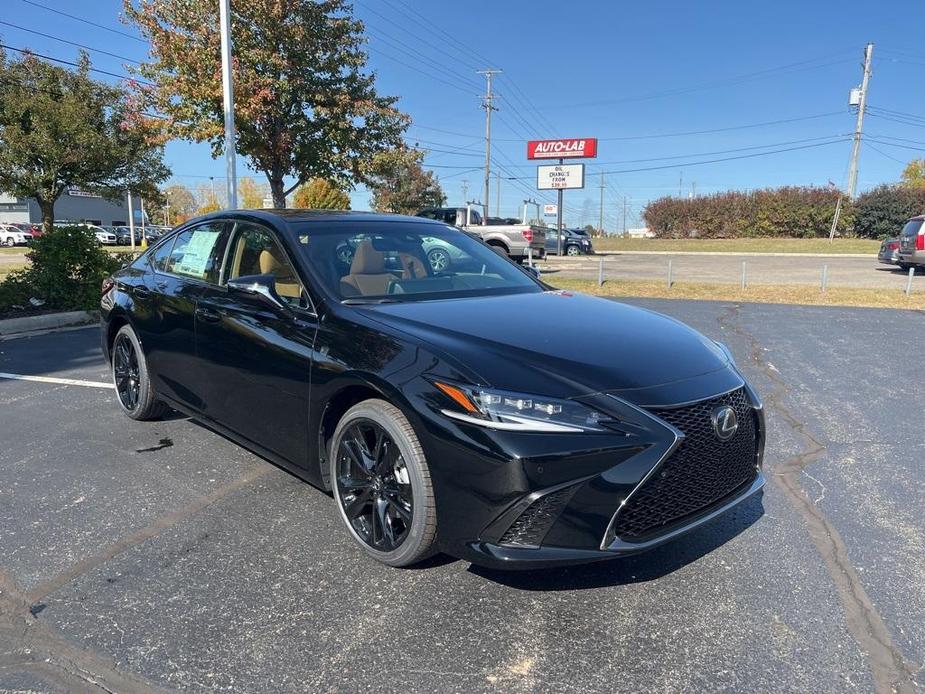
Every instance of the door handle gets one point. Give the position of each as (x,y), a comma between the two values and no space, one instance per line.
(141,292)
(208,315)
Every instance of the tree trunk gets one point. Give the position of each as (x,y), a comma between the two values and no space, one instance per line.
(277,190)
(48,214)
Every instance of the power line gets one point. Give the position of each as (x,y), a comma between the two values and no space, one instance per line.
(897,120)
(73,43)
(884,154)
(26,51)
(897,114)
(724,129)
(426,74)
(789,68)
(85,21)
(434,64)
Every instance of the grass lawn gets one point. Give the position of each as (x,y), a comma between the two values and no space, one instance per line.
(740,245)
(762,294)
(7,269)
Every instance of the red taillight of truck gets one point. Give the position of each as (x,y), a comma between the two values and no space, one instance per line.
(528,235)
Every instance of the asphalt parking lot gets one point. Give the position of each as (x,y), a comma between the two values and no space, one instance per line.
(727,269)
(160,556)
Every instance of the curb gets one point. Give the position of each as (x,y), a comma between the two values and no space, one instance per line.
(750,254)
(19,327)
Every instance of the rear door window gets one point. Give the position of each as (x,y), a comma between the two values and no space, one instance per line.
(197,253)
(912,227)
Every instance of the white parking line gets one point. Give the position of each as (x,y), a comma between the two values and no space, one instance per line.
(59,381)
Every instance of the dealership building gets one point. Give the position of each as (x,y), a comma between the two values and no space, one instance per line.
(74,205)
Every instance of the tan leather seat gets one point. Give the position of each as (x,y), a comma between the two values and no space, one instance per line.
(286,284)
(368,276)
(413,268)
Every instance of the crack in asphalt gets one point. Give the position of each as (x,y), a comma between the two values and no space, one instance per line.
(891,670)
(31,645)
(86,564)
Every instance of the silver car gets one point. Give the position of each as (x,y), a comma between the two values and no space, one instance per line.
(912,243)
(889,252)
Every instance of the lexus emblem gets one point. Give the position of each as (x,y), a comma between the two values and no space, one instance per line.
(725,422)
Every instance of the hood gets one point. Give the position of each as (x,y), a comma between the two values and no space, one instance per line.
(560,344)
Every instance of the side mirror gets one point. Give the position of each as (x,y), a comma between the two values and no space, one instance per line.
(263,286)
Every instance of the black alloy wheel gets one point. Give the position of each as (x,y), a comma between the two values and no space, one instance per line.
(126,372)
(373,485)
(131,378)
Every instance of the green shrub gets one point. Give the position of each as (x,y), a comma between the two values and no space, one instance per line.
(791,211)
(882,211)
(67,269)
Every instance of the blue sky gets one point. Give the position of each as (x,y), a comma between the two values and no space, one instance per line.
(634,75)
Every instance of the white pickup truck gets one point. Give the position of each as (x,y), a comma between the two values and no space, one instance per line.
(513,239)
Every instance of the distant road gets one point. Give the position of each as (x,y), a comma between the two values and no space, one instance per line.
(727,269)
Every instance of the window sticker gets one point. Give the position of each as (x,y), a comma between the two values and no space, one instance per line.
(197,254)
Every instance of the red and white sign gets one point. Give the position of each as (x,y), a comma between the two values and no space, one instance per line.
(571,148)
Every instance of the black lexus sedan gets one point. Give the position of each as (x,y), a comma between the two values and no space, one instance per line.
(471,410)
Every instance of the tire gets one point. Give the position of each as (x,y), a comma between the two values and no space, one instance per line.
(348,473)
(572,250)
(439,260)
(134,391)
(8,242)
(904,267)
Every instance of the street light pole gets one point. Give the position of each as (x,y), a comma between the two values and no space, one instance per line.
(228,103)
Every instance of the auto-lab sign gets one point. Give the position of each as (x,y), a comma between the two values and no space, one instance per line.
(570,148)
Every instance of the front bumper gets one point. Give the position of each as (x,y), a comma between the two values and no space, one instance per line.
(571,488)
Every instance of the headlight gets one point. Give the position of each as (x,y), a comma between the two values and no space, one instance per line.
(498,409)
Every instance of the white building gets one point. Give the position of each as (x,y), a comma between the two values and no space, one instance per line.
(73,205)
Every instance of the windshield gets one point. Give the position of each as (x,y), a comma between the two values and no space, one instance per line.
(398,261)
(912,227)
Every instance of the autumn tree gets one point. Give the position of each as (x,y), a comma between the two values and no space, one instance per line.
(250,194)
(181,203)
(399,183)
(913,175)
(61,128)
(319,194)
(305,105)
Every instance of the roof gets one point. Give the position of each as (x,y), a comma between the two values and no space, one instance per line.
(296,215)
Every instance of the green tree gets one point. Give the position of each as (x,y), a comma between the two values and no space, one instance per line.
(305,106)
(61,128)
(399,183)
(250,194)
(913,175)
(882,211)
(319,194)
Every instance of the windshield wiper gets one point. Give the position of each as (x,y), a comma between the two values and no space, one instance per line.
(358,301)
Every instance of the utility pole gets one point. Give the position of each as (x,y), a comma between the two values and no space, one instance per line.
(465,187)
(624,215)
(862,106)
(498,193)
(214,201)
(487,105)
(680,183)
(600,226)
(231,179)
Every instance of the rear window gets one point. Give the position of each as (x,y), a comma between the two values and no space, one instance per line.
(912,227)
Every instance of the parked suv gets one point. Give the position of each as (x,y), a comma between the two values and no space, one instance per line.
(912,243)
(574,242)
(513,239)
(11,236)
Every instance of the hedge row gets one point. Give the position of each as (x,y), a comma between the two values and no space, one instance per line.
(802,212)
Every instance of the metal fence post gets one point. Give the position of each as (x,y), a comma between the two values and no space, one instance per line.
(909,281)
(530,256)
(744,276)
(825,277)
(600,273)
(669,273)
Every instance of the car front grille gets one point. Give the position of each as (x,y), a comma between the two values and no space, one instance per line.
(701,473)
